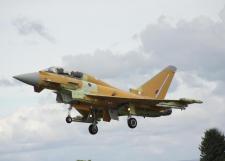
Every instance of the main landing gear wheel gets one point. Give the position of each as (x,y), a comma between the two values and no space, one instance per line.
(132,123)
(69,119)
(93,129)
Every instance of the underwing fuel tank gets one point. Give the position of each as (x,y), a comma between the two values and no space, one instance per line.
(166,112)
(150,113)
(190,100)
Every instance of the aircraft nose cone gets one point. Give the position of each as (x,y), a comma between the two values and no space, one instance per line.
(29,78)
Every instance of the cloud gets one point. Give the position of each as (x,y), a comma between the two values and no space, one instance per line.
(28,129)
(8,83)
(106,64)
(27,27)
(222,14)
(196,45)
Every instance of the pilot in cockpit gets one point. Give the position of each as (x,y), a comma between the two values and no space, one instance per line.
(59,70)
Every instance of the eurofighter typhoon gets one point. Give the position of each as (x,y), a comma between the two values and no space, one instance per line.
(96,100)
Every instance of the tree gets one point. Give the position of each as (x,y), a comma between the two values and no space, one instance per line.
(212,146)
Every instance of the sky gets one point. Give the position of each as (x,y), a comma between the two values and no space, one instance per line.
(124,43)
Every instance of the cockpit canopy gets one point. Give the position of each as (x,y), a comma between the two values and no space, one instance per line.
(62,71)
(57,70)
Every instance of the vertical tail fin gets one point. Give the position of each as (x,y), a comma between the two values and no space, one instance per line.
(158,86)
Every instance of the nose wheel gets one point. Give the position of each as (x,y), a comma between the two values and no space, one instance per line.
(93,129)
(69,119)
(132,122)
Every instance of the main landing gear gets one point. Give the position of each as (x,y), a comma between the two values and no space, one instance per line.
(69,119)
(93,128)
(132,122)
(93,119)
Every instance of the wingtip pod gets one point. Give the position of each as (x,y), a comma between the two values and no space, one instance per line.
(191,100)
(198,101)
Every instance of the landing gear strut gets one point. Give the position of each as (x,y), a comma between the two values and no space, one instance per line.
(132,122)
(92,118)
(69,119)
(93,128)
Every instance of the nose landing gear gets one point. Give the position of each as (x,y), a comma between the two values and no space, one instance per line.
(132,122)
(93,129)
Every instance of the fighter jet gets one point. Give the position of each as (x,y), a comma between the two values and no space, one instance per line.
(96,100)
